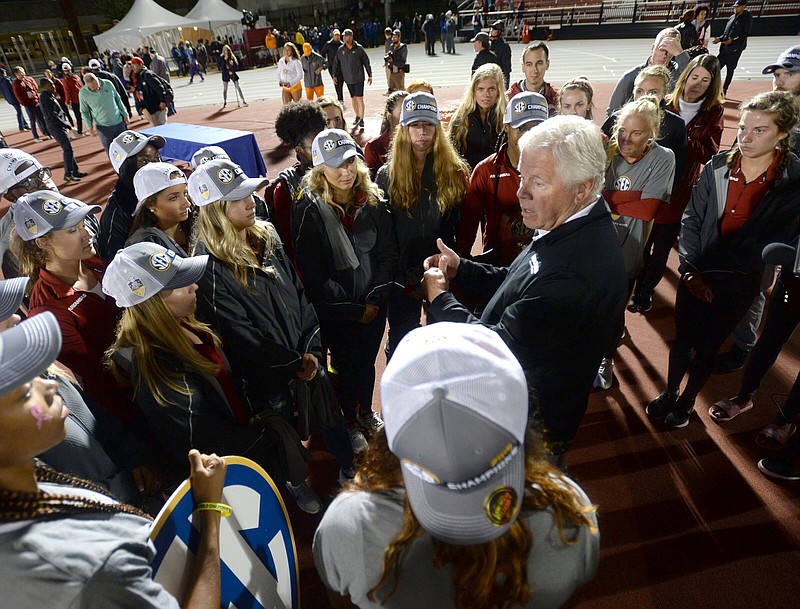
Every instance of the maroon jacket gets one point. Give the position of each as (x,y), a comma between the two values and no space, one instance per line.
(88,325)
(492,203)
(703,133)
(26,91)
(375,152)
(72,86)
(550,94)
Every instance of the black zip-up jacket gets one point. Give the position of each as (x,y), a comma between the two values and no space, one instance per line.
(351,63)
(266,329)
(556,307)
(153,90)
(343,294)
(416,231)
(503,51)
(481,138)
(53,113)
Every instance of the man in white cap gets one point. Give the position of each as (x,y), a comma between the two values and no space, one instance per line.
(786,77)
(556,305)
(456,475)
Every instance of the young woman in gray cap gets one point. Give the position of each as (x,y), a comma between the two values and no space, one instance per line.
(347,256)
(252,297)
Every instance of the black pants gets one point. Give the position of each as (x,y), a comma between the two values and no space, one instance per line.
(656,254)
(76,108)
(404,316)
(702,328)
(354,347)
(61,136)
(782,320)
(731,60)
(430,45)
(339,86)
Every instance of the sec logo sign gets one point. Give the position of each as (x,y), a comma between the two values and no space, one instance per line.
(258,559)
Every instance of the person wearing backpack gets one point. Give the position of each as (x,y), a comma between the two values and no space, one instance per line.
(156,92)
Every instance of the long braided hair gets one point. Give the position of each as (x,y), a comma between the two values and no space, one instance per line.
(16,506)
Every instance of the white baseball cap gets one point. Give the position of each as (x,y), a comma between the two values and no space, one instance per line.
(142,270)
(15,166)
(221,179)
(95,64)
(455,405)
(153,178)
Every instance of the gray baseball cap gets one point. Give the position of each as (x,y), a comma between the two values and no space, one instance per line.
(526,107)
(455,405)
(128,143)
(333,147)
(12,291)
(142,270)
(27,349)
(206,154)
(38,213)
(221,179)
(789,60)
(419,107)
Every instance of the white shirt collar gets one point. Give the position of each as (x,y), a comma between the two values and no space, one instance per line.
(540,232)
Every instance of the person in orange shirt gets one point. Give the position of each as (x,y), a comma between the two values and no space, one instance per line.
(271,42)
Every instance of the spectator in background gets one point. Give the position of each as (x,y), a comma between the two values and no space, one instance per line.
(352,61)
(328,51)
(535,63)
(201,54)
(153,91)
(377,149)
(666,51)
(229,69)
(483,55)
(60,94)
(117,83)
(177,57)
(27,93)
(313,65)
(450,32)
(528,525)
(502,50)
(733,41)
(396,63)
(271,43)
(101,109)
(689,36)
(429,28)
(702,23)
(7,87)
(59,129)
(290,74)
(72,86)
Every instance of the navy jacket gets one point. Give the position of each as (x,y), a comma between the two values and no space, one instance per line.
(557,308)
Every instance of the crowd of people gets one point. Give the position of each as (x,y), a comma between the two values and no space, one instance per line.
(224,314)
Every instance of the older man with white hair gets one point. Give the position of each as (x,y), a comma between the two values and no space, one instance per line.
(557,305)
(102,109)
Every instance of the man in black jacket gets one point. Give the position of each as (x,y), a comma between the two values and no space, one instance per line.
(155,98)
(430,27)
(59,127)
(328,51)
(733,41)
(502,50)
(558,303)
(481,45)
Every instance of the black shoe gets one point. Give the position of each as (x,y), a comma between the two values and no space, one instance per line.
(778,469)
(658,408)
(81,174)
(645,302)
(679,415)
(731,361)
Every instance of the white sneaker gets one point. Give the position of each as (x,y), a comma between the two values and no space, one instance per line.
(357,439)
(307,500)
(605,374)
(371,421)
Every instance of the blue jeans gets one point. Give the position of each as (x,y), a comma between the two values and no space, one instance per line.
(70,166)
(20,117)
(107,134)
(36,117)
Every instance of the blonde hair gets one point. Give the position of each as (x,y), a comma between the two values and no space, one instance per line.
(316,182)
(31,257)
(150,327)
(450,170)
(418,85)
(649,108)
(658,72)
(222,240)
(475,567)
(459,125)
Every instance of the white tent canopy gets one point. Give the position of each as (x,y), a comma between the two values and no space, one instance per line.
(217,17)
(146,23)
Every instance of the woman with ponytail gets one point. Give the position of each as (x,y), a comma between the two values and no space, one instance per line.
(744,200)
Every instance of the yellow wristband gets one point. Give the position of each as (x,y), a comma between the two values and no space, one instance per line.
(222,508)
